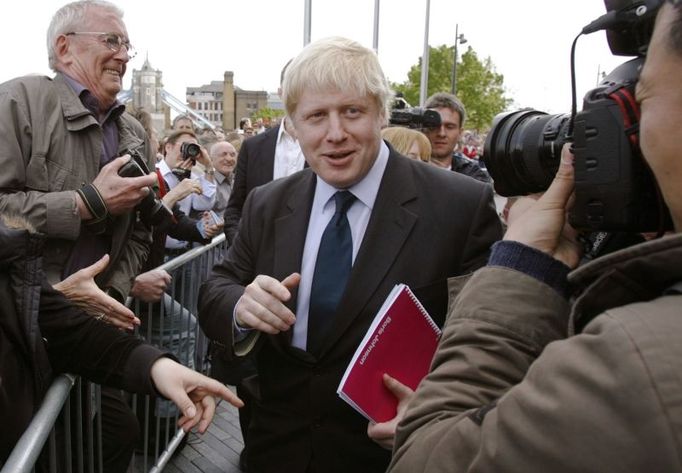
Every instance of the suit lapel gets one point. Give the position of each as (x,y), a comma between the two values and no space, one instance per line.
(389,227)
(290,232)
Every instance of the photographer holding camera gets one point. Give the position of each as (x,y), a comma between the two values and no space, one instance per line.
(510,388)
(181,153)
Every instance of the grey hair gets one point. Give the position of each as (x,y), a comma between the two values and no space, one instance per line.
(70,17)
(445,100)
(336,63)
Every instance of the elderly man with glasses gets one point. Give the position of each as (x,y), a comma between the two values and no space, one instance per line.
(62,141)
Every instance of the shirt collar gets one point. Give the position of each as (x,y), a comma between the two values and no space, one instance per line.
(90,102)
(162,166)
(367,189)
(283,132)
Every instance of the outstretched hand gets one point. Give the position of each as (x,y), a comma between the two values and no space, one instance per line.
(192,392)
(81,289)
(539,221)
(262,308)
(383,433)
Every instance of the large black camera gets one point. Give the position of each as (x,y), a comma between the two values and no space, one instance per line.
(614,187)
(151,210)
(190,151)
(415,117)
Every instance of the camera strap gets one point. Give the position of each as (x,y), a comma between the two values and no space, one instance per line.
(162,184)
(629,111)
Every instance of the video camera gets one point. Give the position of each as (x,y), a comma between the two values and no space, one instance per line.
(415,117)
(614,187)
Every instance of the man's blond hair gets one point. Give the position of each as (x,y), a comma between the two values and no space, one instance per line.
(336,63)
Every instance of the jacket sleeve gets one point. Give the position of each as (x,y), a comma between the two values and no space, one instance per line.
(77,343)
(233,212)
(502,397)
(219,295)
(185,228)
(26,179)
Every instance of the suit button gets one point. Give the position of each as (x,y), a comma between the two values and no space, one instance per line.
(317,423)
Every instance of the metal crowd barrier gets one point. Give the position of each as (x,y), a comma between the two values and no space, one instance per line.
(171,325)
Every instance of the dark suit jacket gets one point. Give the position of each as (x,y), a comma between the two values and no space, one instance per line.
(255,167)
(427,225)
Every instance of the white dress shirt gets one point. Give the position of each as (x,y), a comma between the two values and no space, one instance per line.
(288,155)
(321,213)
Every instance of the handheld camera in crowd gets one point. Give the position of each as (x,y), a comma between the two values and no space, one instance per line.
(614,188)
(151,210)
(189,151)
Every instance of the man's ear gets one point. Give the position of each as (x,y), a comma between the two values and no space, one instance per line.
(61,49)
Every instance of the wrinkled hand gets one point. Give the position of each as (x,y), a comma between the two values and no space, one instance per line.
(192,392)
(539,221)
(81,289)
(383,433)
(150,286)
(182,190)
(122,194)
(211,228)
(262,308)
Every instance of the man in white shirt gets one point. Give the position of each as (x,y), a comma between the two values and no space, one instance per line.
(175,167)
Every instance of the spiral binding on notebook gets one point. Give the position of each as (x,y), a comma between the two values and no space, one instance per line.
(423,310)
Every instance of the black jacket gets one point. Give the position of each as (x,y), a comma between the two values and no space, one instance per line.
(42,333)
(469,167)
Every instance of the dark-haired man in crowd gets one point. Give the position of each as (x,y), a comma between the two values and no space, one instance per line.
(525,380)
(445,138)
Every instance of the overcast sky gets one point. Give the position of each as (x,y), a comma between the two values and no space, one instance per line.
(195,42)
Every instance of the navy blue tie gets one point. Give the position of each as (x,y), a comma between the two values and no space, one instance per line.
(334,260)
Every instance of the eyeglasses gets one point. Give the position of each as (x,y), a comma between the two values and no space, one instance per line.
(112,41)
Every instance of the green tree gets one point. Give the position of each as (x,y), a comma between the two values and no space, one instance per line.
(479,87)
(267,113)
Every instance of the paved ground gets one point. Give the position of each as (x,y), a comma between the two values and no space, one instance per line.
(216,451)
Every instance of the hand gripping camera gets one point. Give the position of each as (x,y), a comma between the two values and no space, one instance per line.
(151,210)
(189,151)
(614,187)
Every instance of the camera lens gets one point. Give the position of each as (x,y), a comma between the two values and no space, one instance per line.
(190,151)
(523,150)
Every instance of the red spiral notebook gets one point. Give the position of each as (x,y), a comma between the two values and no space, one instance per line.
(400,342)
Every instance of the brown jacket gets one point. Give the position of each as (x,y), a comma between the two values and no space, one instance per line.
(509,391)
(50,145)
